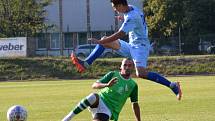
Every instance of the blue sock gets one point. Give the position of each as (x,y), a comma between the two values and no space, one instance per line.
(98,50)
(158,78)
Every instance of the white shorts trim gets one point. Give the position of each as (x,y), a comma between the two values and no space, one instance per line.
(102,108)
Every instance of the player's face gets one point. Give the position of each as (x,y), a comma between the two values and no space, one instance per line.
(117,8)
(126,67)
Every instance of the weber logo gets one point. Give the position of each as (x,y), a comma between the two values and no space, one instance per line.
(13,47)
(10,46)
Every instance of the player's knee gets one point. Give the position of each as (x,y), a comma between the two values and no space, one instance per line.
(141,72)
(141,75)
(138,75)
(93,98)
(115,45)
(93,94)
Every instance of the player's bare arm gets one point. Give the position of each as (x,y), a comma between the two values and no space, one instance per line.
(99,85)
(109,39)
(136,109)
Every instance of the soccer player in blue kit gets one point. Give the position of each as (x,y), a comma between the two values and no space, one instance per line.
(135,26)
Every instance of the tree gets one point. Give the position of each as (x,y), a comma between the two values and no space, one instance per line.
(163,16)
(199,17)
(22,17)
(194,17)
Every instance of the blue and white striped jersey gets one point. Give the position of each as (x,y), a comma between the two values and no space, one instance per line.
(135,26)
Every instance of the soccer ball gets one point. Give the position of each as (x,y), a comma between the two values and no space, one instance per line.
(17,113)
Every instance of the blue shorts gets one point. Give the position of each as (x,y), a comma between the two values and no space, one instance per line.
(139,53)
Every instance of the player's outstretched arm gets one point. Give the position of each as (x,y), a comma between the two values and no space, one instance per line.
(136,109)
(99,85)
(109,39)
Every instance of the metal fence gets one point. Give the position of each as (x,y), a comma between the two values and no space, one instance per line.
(183,45)
(48,45)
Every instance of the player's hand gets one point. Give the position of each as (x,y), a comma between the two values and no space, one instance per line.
(120,18)
(96,41)
(112,82)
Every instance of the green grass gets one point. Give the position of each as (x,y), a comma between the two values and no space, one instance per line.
(51,100)
(47,68)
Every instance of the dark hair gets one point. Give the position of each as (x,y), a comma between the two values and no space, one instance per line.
(118,2)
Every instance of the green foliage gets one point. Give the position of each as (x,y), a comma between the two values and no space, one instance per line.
(183,65)
(22,18)
(199,16)
(62,68)
(194,17)
(163,16)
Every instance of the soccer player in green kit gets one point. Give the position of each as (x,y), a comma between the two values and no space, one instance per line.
(116,87)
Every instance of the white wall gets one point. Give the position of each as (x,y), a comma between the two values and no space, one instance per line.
(75,15)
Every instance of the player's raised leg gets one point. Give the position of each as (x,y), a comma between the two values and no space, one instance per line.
(82,65)
(90,100)
(174,86)
(155,77)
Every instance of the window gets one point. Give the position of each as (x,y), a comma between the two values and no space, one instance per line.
(87,47)
(55,41)
(68,39)
(96,35)
(41,41)
(108,33)
(103,34)
(82,38)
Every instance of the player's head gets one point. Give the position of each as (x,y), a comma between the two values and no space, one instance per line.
(118,5)
(126,67)
(118,2)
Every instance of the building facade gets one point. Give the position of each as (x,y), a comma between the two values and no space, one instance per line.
(74,21)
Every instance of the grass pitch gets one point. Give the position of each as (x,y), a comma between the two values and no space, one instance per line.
(52,100)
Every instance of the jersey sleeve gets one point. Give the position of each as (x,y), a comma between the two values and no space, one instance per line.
(106,78)
(134,94)
(128,25)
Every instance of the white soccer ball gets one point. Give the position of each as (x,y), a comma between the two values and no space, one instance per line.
(17,113)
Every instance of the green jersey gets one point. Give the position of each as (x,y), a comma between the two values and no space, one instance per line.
(115,96)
